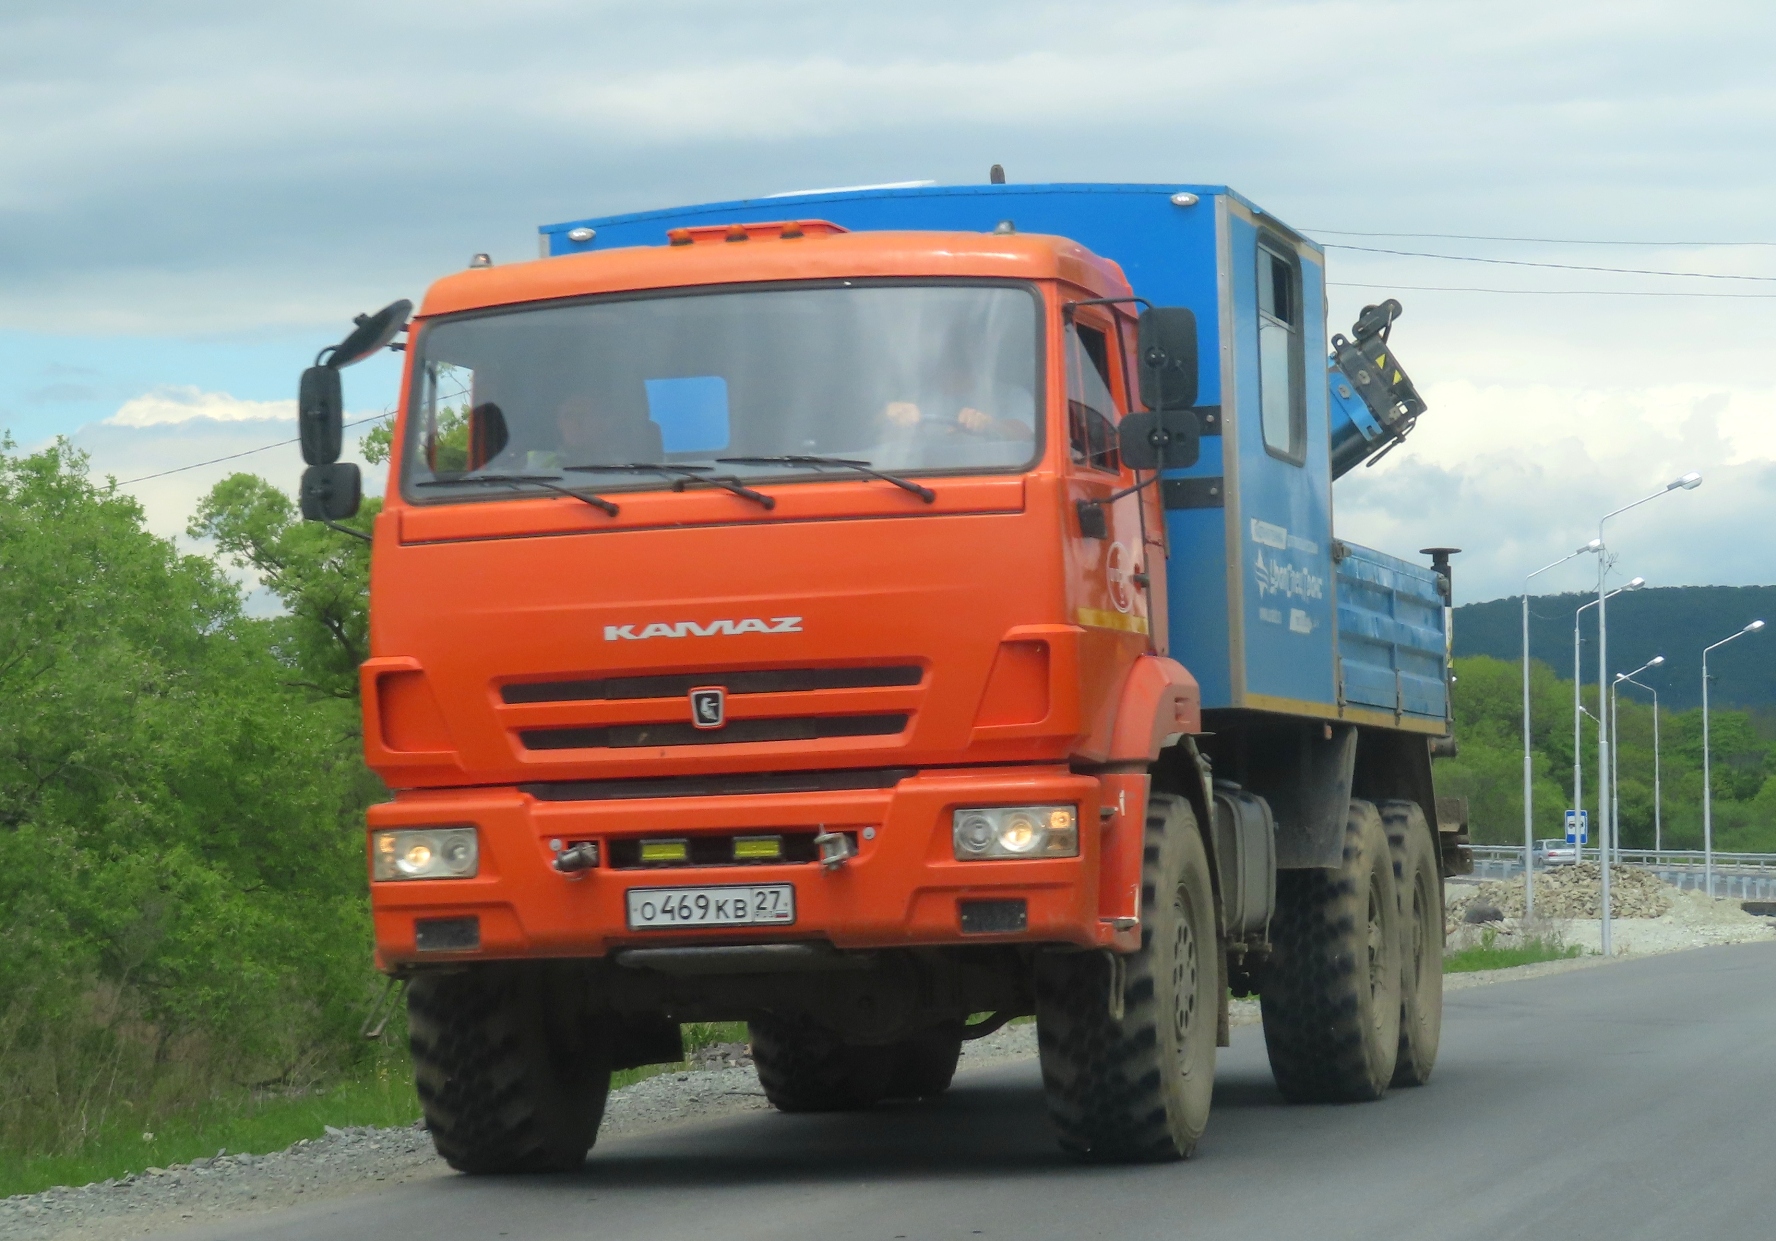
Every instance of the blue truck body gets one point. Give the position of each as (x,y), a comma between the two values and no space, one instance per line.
(1268,609)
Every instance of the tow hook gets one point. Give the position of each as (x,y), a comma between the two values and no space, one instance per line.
(579,856)
(836,848)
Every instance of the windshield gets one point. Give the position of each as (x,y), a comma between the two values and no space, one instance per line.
(901,377)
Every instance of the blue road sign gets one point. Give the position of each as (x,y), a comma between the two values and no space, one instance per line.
(1578,827)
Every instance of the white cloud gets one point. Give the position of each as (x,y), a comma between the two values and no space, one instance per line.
(185,403)
(1519,475)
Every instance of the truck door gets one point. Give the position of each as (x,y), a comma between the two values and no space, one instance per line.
(1278,479)
(1108,568)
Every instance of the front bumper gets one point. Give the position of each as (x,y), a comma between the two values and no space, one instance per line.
(904,888)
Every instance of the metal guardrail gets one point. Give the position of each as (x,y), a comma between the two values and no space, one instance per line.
(1743,876)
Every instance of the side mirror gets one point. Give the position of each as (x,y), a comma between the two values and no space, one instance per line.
(330,492)
(1168,440)
(320,415)
(1165,338)
(372,333)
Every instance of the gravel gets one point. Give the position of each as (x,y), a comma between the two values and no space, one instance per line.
(1647,915)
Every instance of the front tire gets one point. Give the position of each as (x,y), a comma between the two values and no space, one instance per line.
(1331,990)
(1138,1087)
(504,1067)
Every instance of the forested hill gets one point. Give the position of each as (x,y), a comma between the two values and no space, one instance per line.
(1673,621)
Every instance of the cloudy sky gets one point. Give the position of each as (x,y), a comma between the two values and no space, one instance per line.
(195,197)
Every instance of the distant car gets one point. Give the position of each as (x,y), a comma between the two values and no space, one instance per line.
(1555,852)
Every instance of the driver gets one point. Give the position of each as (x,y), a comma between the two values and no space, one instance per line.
(954,399)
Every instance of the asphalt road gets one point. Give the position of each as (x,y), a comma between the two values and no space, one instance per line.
(1637,1100)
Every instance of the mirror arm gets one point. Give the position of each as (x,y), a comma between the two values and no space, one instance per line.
(1067,308)
(356,534)
(1114,496)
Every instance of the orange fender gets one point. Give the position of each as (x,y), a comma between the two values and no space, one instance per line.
(1160,699)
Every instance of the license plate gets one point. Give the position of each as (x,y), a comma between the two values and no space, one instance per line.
(770,904)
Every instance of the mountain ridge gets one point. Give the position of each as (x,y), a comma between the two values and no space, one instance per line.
(1674,621)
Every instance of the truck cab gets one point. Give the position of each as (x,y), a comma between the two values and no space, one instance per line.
(850,621)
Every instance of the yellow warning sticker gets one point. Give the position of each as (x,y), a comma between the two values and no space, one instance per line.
(1092,618)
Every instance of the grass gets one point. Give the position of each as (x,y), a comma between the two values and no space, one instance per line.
(1487,955)
(239,1122)
(255,1124)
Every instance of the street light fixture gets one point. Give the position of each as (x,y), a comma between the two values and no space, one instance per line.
(1689,482)
(1528,765)
(1579,713)
(1707,784)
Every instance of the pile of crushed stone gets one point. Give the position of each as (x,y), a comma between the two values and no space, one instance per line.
(1566,892)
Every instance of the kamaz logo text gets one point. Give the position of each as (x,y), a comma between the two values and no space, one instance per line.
(691,629)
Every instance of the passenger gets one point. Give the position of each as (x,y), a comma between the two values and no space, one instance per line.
(591,431)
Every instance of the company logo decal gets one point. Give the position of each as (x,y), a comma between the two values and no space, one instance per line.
(691,629)
(709,707)
(1117,577)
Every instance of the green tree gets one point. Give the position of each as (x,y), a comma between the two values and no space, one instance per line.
(181,842)
(322,577)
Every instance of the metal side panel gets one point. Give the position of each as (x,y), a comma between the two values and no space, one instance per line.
(1390,635)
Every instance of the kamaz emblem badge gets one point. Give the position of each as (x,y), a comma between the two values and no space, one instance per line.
(709,707)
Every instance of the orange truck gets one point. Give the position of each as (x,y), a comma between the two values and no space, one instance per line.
(878,615)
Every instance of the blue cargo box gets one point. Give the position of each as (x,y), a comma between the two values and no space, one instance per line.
(1263,612)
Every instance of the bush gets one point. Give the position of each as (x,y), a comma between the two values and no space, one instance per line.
(182,892)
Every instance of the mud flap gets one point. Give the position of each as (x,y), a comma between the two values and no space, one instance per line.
(1120,844)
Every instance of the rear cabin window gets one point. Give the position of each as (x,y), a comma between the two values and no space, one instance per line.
(1091,408)
(1281,390)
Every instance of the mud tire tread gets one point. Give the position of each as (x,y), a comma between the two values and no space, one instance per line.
(1331,1038)
(804,1068)
(502,1070)
(1421,979)
(1105,1079)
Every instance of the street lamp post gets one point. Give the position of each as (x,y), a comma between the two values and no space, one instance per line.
(1528,764)
(1615,778)
(1707,785)
(1658,797)
(1689,482)
(1579,713)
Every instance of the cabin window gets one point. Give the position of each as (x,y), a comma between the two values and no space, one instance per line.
(1091,407)
(1281,391)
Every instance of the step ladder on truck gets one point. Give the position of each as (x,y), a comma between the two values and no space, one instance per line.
(878,615)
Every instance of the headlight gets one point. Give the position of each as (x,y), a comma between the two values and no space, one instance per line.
(1015,831)
(425,853)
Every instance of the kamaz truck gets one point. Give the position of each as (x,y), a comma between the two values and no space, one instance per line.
(879,615)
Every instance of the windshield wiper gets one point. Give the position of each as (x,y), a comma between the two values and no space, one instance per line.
(862,467)
(513,480)
(682,476)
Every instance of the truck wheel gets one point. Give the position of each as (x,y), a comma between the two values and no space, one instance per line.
(500,1059)
(1420,885)
(1331,990)
(804,1068)
(1138,1086)
(925,1063)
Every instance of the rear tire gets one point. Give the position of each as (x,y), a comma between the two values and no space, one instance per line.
(1420,885)
(925,1063)
(1331,989)
(504,1066)
(804,1068)
(1139,1087)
